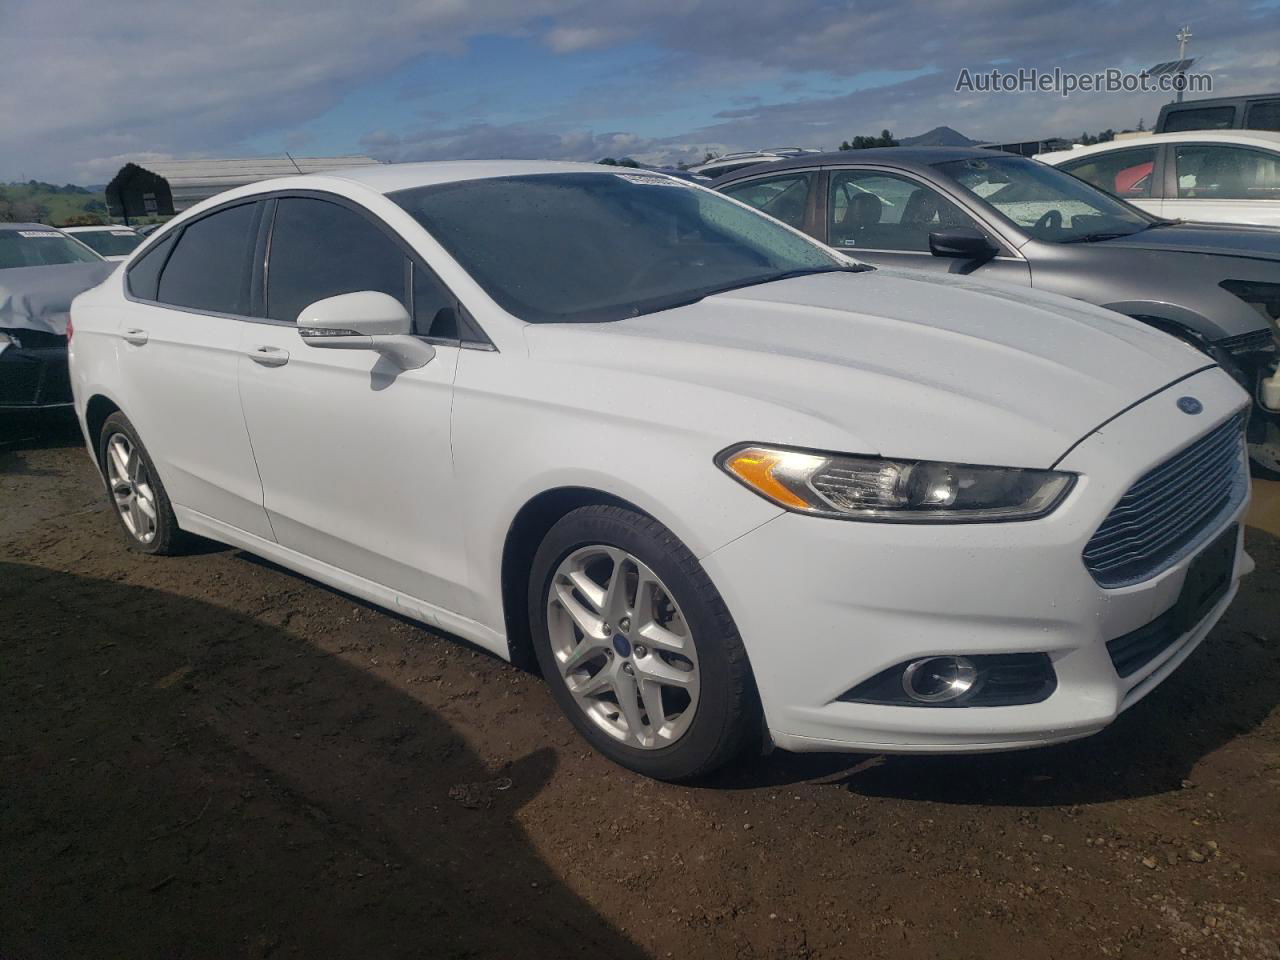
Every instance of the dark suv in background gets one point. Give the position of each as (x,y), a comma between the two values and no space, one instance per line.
(1260,112)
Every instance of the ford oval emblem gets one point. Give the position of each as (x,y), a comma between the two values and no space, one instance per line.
(1190,405)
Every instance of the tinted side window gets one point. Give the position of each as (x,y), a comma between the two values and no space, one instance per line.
(144,275)
(321,249)
(1204,118)
(1124,173)
(1211,172)
(785,198)
(209,268)
(879,211)
(1263,115)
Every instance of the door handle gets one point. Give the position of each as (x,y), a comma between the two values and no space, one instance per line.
(135,336)
(269,356)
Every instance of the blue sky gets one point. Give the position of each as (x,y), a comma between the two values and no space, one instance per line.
(92,85)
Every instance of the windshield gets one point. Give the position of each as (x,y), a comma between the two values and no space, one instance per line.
(606,246)
(41,248)
(110,243)
(1047,203)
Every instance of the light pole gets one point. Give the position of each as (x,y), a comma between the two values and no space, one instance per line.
(1183,36)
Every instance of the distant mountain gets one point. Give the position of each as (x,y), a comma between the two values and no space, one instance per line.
(939,137)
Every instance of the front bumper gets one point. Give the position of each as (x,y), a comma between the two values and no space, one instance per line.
(824,604)
(34,376)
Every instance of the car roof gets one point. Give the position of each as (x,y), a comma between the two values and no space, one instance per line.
(390,177)
(907,157)
(91,228)
(1244,138)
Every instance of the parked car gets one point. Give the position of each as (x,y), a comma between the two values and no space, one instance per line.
(1207,176)
(1256,112)
(111,242)
(995,217)
(708,474)
(733,162)
(41,271)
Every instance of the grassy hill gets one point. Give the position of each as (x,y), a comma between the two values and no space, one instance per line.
(49,203)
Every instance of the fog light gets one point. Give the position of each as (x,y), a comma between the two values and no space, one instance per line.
(939,679)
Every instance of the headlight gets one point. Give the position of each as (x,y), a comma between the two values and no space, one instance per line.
(893,491)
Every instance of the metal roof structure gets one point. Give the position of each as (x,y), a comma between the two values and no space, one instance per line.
(194,180)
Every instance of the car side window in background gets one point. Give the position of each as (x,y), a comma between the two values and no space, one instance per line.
(1214,172)
(209,268)
(1124,173)
(1203,118)
(869,210)
(321,249)
(144,273)
(1263,115)
(784,198)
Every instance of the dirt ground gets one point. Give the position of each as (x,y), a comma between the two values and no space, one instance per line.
(208,756)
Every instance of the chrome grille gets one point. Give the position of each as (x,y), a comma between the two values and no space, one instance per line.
(1167,512)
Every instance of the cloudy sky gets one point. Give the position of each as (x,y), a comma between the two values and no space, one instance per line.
(89,84)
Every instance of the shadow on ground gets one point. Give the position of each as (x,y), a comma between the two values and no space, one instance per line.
(184,781)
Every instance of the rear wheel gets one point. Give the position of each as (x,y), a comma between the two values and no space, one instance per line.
(638,647)
(135,491)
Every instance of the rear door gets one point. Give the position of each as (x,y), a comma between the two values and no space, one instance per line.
(1223,183)
(354,452)
(179,361)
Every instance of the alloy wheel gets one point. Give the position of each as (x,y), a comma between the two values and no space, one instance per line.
(131,488)
(623,647)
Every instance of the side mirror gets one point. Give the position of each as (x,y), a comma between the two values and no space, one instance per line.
(967,243)
(367,320)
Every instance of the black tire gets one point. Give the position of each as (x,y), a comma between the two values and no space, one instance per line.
(728,714)
(169,539)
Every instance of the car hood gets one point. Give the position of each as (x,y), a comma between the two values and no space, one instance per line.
(888,362)
(39,298)
(1227,240)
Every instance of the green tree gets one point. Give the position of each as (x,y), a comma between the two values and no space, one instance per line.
(886,139)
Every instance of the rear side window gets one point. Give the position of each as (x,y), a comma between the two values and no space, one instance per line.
(1263,115)
(321,249)
(209,268)
(1215,172)
(144,273)
(1203,118)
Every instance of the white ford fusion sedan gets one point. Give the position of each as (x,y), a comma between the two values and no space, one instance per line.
(721,485)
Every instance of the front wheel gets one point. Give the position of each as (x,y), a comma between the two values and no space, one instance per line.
(638,647)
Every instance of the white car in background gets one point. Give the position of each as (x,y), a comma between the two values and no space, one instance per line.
(109,242)
(1227,176)
(712,477)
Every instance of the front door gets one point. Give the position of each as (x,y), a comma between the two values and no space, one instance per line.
(886,218)
(353,451)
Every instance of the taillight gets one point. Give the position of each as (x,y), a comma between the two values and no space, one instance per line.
(70,330)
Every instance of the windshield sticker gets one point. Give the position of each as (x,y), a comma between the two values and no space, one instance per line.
(651,180)
(38,233)
(122,233)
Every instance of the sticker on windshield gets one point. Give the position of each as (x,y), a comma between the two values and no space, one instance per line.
(650,180)
(122,233)
(38,233)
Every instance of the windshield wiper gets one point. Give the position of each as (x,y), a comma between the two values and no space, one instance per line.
(1101,235)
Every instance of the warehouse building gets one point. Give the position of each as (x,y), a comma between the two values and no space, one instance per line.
(159,188)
